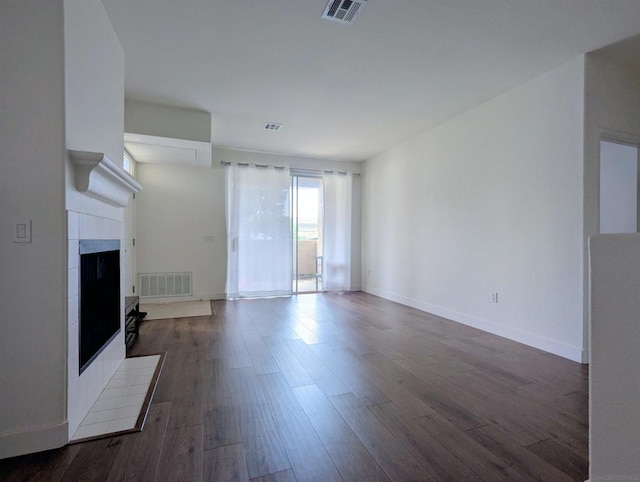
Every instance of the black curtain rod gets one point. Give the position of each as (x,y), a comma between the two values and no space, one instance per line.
(301,170)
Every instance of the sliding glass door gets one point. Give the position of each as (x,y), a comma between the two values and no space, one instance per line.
(307,230)
(288,232)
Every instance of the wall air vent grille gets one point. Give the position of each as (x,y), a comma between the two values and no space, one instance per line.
(343,11)
(165,285)
(272,126)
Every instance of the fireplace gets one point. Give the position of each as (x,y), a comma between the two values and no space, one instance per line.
(99,297)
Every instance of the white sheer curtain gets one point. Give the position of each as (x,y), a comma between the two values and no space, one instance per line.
(259,232)
(336,272)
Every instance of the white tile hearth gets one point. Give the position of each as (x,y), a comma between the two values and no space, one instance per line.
(121,405)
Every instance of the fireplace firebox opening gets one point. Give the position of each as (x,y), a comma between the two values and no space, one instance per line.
(99,297)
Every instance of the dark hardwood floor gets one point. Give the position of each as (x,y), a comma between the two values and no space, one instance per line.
(338,387)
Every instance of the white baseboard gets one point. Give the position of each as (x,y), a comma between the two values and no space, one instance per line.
(551,346)
(35,440)
(213,296)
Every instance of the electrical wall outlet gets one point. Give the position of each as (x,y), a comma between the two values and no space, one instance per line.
(22,231)
(494,297)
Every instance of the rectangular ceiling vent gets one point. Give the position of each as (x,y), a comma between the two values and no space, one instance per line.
(343,11)
(272,126)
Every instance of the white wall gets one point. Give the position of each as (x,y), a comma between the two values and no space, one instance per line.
(177,209)
(167,121)
(614,391)
(32,293)
(490,201)
(181,207)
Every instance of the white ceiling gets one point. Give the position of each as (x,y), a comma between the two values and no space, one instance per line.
(347,92)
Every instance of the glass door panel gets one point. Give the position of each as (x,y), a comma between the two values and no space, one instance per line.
(307,234)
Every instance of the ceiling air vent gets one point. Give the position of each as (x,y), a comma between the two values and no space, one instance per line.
(343,11)
(272,126)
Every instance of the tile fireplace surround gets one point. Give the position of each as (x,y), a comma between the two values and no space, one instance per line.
(97,177)
(83,390)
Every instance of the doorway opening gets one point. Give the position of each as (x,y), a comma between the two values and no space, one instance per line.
(619,181)
(307,229)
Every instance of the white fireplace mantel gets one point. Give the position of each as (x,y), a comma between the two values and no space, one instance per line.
(97,176)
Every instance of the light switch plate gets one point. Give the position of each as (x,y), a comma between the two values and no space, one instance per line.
(22,231)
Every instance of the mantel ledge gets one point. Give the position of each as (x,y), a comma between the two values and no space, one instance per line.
(97,176)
